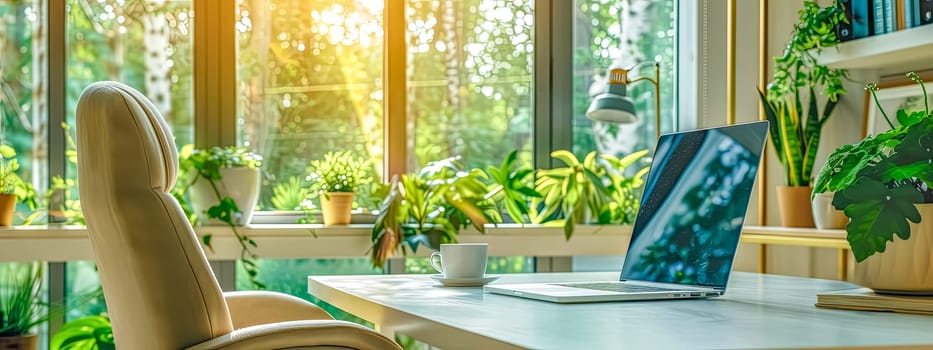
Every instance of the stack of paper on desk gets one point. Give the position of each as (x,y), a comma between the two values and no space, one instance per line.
(866,299)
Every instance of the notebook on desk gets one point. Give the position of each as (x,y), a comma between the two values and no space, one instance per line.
(687,229)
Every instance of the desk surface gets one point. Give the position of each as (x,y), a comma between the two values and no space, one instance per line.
(758,311)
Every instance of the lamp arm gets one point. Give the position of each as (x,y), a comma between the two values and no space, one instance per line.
(656,81)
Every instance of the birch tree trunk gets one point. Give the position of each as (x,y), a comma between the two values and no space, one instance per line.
(256,126)
(450,26)
(40,108)
(622,139)
(157,39)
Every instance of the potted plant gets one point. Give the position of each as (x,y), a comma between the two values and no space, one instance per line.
(512,188)
(12,188)
(224,186)
(595,190)
(429,208)
(21,306)
(883,185)
(86,333)
(335,179)
(795,133)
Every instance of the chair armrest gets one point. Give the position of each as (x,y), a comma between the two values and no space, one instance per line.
(295,334)
(255,308)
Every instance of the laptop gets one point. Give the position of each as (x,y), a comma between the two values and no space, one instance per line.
(687,229)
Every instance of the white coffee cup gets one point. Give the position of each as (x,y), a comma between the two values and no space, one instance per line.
(461,260)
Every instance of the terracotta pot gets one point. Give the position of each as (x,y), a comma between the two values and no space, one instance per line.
(241,184)
(20,342)
(794,205)
(336,207)
(905,266)
(7,207)
(825,216)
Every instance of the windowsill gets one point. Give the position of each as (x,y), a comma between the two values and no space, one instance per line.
(294,241)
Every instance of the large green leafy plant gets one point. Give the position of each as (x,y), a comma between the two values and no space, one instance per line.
(879,180)
(86,333)
(433,205)
(594,190)
(795,133)
(430,207)
(204,165)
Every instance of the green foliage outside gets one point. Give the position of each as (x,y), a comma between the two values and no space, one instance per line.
(598,45)
(879,181)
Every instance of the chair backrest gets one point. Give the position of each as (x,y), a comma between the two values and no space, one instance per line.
(159,288)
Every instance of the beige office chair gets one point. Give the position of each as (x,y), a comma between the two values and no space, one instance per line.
(159,288)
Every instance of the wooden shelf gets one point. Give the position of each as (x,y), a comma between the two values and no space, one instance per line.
(902,50)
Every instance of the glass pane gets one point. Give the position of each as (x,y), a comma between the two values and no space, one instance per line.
(310,82)
(82,290)
(470,68)
(290,276)
(622,34)
(23,111)
(146,44)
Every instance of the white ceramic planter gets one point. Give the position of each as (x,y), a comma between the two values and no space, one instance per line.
(241,184)
(906,266)
(824,215)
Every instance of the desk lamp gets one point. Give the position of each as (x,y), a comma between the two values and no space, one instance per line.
(613,106)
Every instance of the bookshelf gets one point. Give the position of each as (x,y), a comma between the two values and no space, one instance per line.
(896,52)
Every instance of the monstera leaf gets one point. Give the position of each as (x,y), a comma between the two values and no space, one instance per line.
(878,213)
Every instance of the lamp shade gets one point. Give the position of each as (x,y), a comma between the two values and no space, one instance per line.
(612,105)
(612,108)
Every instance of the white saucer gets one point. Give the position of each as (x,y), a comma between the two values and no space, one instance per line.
(464,282)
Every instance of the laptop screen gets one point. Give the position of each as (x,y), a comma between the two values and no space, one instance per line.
(691,215)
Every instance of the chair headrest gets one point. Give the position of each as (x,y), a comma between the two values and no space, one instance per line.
(104,101)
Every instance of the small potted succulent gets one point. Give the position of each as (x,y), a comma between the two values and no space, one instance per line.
(335,179)
(883,185)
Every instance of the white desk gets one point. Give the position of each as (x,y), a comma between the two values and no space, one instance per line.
(758,311)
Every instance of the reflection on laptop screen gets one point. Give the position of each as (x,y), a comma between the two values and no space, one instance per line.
(694,205)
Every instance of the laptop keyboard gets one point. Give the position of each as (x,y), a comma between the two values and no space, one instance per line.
(617,287)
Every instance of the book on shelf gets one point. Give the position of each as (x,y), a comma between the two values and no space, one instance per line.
(925,12)
(867,300)
(866,18)
(859,20)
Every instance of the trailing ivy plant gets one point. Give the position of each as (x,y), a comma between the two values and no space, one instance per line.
(879,181)
(795,134)
(204,165)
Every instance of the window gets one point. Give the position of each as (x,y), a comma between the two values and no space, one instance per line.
(23,108)
(621,34)
(145,44)
(470,78)
(310,77)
